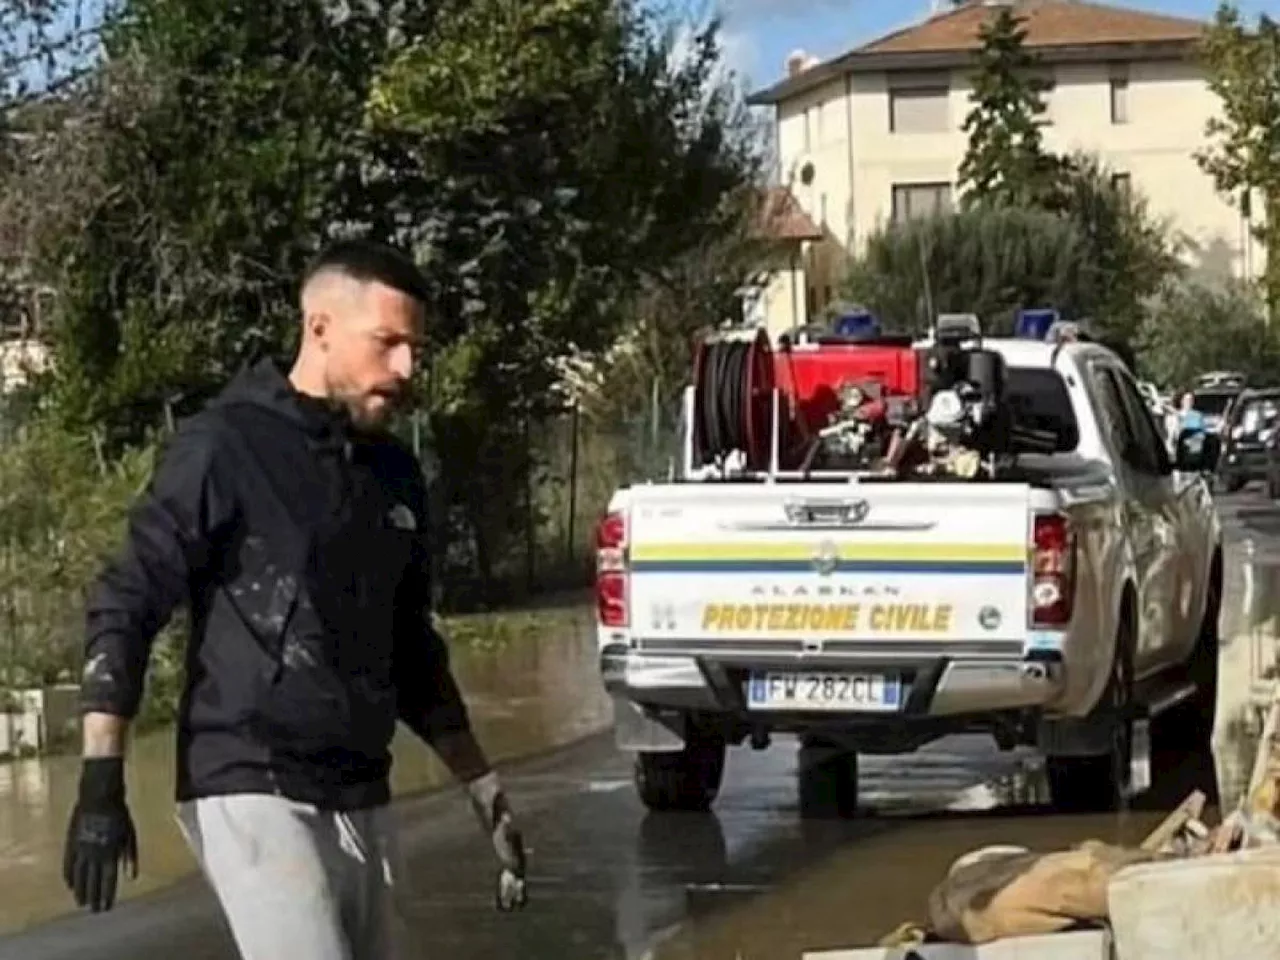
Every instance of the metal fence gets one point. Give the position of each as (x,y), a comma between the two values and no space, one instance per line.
(578,461)
(583,463)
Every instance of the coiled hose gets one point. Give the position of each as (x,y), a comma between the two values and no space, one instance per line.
(733,388)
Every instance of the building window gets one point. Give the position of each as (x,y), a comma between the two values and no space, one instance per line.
(913,200)
(808,129)
(920,109)
(1120,96)
(1122,182)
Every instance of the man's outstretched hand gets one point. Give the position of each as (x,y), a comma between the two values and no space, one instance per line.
(490,804)
(100,836)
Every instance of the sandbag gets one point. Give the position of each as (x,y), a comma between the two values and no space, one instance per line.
(1005,891)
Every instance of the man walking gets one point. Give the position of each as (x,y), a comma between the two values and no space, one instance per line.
(295,530)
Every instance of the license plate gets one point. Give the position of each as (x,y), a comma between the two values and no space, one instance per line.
(823,691)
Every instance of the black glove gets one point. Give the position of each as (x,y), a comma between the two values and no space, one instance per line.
(491,806)
(100,835)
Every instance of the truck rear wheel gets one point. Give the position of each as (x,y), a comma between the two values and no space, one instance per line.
(1099,783)
(687,779)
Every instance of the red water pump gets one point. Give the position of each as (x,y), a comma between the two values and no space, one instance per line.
(839,398)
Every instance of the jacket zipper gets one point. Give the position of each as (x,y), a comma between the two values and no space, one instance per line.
(347,498)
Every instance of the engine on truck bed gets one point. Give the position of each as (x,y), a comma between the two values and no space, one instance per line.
(823,403)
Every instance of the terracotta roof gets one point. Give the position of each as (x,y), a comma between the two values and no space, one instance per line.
(1048,23)
(782,218)
(1060,30)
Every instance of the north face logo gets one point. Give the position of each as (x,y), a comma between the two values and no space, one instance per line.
(402,518)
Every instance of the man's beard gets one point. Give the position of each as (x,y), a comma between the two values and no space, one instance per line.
(346,405)
(360,413)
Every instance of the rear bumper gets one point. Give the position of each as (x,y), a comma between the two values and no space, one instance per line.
(939,680)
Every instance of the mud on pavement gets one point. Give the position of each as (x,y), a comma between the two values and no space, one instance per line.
(524,686)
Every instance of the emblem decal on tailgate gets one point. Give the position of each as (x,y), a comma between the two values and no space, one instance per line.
(825,558)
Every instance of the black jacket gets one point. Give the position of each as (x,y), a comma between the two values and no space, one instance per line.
(301,549)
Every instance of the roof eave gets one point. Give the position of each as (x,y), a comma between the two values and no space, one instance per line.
(864,61)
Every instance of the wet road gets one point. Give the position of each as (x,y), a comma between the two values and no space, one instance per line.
(755,880)
(515,671)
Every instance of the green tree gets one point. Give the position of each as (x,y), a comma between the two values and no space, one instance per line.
(1193,327)
(987,260)
(573,161)
(1099,259)
(1130,255)
(1243,155)
(704,287)
(1006,162)
(546,160)
(235,145)
(61,510)
(603,162)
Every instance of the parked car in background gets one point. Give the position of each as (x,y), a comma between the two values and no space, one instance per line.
(1221,378)
(1249,441)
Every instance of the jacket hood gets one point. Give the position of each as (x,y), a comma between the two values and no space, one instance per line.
(262,384)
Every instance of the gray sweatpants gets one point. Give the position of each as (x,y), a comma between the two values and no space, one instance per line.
(294,881)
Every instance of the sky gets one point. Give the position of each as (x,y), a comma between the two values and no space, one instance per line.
(758,35)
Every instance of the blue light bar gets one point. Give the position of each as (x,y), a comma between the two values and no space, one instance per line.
(857,323)
(1034,324)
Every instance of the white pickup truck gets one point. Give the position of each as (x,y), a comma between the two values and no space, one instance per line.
(1051,608)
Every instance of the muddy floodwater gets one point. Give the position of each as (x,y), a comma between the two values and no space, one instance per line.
(848,882)
(528,691)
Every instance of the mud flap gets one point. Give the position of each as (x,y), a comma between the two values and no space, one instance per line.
(639,730)
(1139,758)
(1079,738)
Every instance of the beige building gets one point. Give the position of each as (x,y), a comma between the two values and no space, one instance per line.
(875,135)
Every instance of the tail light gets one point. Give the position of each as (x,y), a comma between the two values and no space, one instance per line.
(1053,583)
(611,570)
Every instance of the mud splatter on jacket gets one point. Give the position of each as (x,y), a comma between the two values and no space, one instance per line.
(301,549)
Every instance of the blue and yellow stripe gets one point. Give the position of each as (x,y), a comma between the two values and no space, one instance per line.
(783,557)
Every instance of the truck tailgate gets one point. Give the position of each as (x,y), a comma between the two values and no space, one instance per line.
(819,564)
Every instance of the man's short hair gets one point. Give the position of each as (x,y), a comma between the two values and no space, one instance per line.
(368,261)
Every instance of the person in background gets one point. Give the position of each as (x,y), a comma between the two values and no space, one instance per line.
(1189,418)
(294,527)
